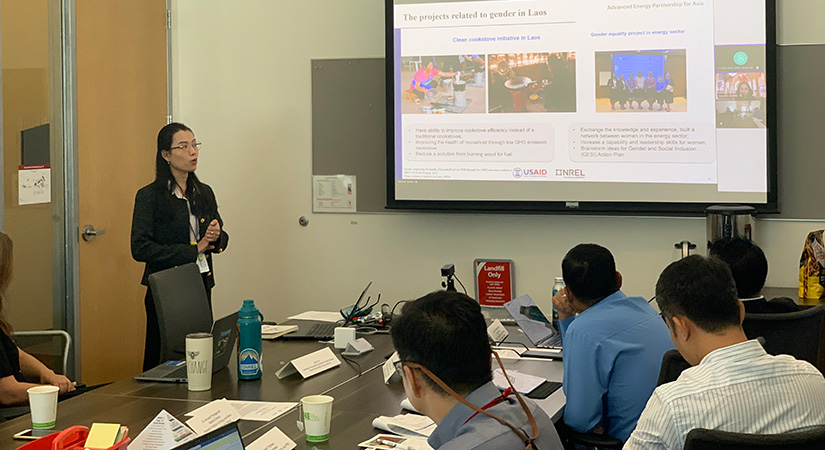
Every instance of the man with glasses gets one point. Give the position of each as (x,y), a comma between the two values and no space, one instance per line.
(613,345)
(445,365)
(734,384)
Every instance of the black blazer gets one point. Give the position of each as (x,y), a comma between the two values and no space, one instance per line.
(160,229)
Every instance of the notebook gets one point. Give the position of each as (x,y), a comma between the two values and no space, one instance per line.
(224,333)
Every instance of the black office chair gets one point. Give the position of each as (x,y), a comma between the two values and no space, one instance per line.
(51,347)
(700,438)
(182,308)
(795,333)
(572,439)
(673,363)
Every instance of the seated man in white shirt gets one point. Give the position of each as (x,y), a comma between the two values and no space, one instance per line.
(734,385)
(445,354)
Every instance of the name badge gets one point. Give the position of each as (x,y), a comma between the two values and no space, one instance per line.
(202,264)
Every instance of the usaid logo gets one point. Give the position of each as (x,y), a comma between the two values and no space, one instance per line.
(518,172)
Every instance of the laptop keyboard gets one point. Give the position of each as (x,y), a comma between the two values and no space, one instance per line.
(323,330)
(179,372)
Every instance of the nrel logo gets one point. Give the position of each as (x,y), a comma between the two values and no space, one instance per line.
(529,173)
(249,363)
(570,173)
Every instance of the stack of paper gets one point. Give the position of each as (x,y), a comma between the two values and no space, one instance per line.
(406,425)
(523,382)
(276,331)
(258,411)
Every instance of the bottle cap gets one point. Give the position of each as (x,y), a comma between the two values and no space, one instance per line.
(248,309)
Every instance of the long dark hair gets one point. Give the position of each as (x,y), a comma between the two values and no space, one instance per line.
(6,250)
(164,180)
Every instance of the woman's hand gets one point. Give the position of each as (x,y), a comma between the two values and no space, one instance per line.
(65,384)
(204,245)
(213,232)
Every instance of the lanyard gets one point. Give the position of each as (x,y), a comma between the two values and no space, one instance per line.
(506,393)
(194,234)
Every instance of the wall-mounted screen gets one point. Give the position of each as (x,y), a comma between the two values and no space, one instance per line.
(584,105)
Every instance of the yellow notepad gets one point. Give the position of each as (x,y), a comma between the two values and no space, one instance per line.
(102,435)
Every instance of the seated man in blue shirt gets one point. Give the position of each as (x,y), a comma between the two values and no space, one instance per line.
(613,345)
(749,267)
(441,339)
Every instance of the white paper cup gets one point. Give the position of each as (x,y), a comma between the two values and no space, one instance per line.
(199,361)
(43,403)
(316,411)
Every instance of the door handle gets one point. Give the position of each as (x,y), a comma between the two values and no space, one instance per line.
(89,232)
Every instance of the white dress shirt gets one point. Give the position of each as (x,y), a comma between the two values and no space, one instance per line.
(738,388)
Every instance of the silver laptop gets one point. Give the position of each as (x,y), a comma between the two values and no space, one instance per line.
(224,333)
(533,322)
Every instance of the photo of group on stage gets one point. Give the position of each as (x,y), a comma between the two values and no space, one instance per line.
(443,84)
(632,81)
(532,82)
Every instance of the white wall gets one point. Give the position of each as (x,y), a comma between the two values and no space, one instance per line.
(242,82)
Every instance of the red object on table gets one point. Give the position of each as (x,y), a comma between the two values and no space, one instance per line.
(70,438)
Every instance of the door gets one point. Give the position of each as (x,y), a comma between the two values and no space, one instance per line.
(121,105)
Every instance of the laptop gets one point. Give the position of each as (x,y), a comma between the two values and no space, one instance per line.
(224,333)
(325,331)
(227,437)
(533,322)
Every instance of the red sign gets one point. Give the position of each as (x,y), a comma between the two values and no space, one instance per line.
(494,282)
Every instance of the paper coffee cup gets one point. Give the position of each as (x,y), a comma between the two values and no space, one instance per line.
(199,361)
(43,403)
(316,411)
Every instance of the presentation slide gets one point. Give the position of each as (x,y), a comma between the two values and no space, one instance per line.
(580,100)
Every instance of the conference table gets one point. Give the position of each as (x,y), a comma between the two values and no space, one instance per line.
(357,386)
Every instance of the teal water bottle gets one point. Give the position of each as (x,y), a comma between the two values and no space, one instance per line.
(249,350)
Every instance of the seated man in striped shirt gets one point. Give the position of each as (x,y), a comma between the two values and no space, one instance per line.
(734,385)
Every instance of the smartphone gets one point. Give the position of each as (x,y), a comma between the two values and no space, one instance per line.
(37,433)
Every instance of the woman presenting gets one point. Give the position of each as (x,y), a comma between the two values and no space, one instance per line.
(17,366)
(175,222)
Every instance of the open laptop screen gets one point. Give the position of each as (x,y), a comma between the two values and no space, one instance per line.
(533,322)
(226,437)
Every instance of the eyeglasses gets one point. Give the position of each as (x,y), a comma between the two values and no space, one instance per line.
(399,368)
(186,145)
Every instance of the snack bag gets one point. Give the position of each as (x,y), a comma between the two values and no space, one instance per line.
(812,267)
